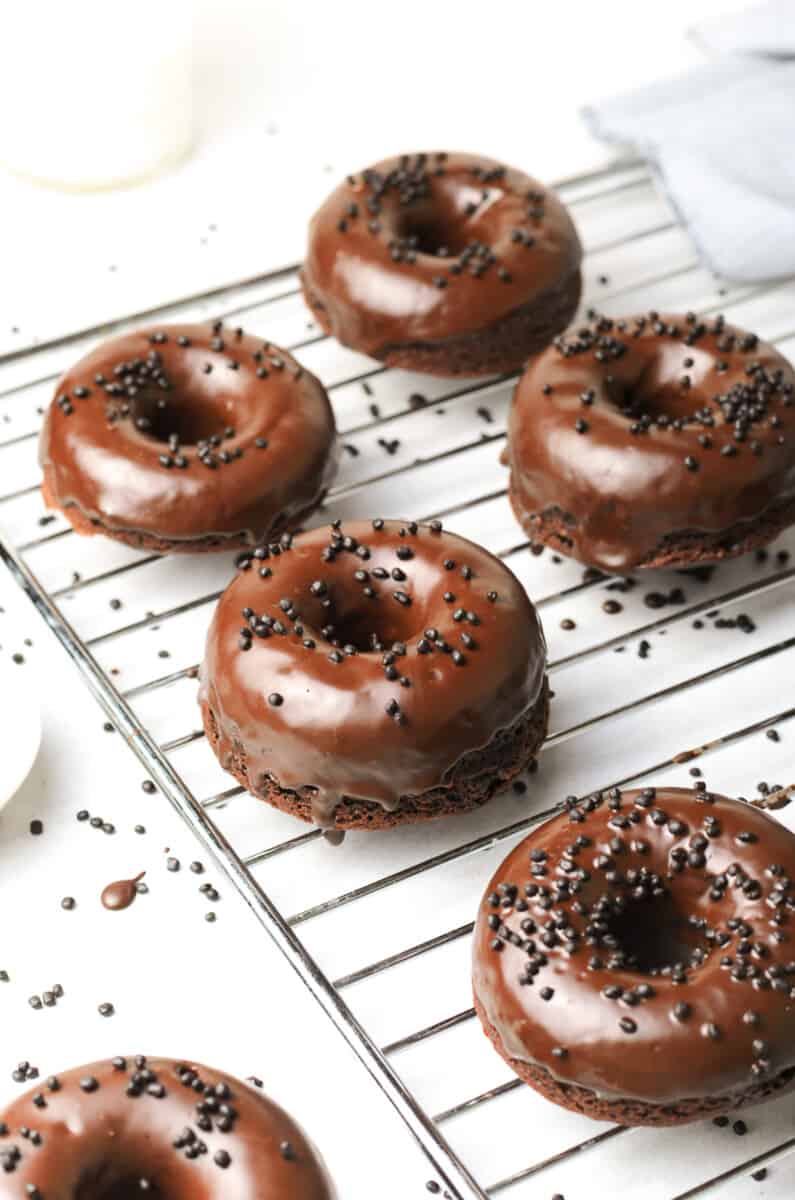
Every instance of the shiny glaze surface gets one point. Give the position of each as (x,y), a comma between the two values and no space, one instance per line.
(665,1059)
(374,302)
(98,1144)
(621,492)
(333,730)
(113,471)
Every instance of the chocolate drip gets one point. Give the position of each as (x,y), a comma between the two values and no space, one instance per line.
(121,893)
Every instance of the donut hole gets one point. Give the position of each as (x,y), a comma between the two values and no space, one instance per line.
(654,935)
(662,388)
(369,625)
(434,229)
(105,1185)
(666,400)
(191,419)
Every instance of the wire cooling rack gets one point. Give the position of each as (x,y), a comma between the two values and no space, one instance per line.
(691,673)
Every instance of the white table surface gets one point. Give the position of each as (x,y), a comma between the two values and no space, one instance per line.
(291,98)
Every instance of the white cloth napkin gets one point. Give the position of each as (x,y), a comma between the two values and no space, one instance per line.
(723,139)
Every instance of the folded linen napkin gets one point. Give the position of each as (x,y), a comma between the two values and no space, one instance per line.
(723,139)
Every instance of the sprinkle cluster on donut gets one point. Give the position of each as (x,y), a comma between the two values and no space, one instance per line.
(446,263)
(135,1126)
(374,673)
(187,437)
(654,441)
(634,956)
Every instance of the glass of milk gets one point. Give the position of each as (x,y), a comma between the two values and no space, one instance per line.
(95,93)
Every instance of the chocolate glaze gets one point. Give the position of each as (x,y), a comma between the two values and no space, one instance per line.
(121,893)
(666,1058)
(113,471)
(378,292)
(346,728)
(106,1126)
(620,487)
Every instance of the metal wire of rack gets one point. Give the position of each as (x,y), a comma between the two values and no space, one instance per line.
(378,930)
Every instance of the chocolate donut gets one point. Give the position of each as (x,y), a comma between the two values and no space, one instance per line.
(371,675)
(187,437)
(654,441)
(168,1130)
(633,957)
(446,263)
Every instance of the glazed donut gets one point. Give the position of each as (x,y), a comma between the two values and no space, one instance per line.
(131,1127)
(187,437)
(445,263)
(654,441)
(633,957)
(374,674)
